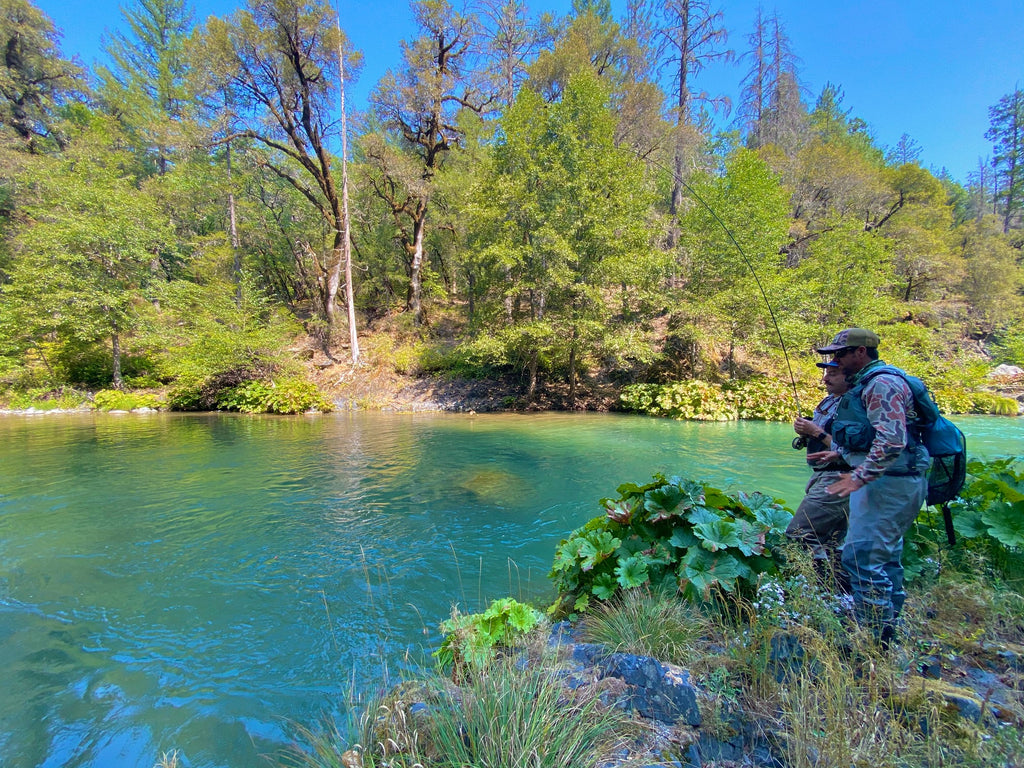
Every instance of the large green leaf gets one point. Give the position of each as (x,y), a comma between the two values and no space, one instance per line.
(663,502)
(567,554)
(700,515)
(596,547)
(1006,522)
(717,535)
(632,489)
(767,511)
(701,570)
(968,522)
(632,572)
(751,537)
(683,537)
(1009,486)
(604,586)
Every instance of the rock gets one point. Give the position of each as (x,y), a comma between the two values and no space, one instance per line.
(1005,370)
(658,691)
(931,668)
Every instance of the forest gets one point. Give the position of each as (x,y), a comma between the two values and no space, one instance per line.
(546,200)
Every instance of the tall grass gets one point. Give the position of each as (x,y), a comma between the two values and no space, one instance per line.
(510,717)
(650,624)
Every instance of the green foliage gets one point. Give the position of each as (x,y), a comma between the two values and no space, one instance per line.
(217,338)
(116,400)
(992,502)
(511,717)
(669,534)
(757,398)
(988,518)
(289,395)
(47,399)
(472,640)
(561,257)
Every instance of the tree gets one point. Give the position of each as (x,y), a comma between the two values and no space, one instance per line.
(749,201)
(83,255)
(770,100)
(561,225)
(992,278)
(905,151)
(1006,131)
(274,57)
(690,38)
(146,84)
(418,110)
(34,79)
(510,42)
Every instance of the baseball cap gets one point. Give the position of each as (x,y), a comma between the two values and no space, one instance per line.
(828,364)
(851,337)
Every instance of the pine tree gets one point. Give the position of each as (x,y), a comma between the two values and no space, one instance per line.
(34,78)
(1006,132)
(145,86)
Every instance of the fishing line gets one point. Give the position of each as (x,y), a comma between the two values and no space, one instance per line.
(746,260)
(753,272)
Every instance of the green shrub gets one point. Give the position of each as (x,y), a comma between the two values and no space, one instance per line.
(48,398)
(669,534)
(756,398)
(115,400)
(286,396)
(472,639)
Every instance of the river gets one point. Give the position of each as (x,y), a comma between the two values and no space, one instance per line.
(204,582)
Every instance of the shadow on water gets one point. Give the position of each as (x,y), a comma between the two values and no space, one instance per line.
(197,582)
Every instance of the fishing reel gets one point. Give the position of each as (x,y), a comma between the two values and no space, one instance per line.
(800,442)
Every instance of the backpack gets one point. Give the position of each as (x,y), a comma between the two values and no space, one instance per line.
(944,441)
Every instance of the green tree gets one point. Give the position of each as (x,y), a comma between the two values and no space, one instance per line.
(34,79)
(146,84)
(275,58)
(418,110)
(736,230)
(561,221)
(83,255)
(1006,131)
(992,278)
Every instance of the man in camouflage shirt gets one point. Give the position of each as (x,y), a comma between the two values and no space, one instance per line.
(888,483)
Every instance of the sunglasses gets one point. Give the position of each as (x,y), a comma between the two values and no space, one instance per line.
(843,352)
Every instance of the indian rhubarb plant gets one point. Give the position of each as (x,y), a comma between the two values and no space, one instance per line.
(671,533)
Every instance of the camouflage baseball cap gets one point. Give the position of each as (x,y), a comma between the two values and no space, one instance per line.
(851,337)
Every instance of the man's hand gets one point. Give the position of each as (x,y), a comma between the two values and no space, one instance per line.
(806,427)
(845,485)
(823,457)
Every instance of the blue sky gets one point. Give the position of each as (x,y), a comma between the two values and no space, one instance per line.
(927,69)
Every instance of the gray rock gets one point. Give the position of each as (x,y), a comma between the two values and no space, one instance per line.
(657,691)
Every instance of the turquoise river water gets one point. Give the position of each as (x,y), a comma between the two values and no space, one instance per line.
(205,582)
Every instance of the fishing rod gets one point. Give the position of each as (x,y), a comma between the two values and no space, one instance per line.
(676,176)
(746,260)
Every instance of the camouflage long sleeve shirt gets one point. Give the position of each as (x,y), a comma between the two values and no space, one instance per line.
(887,399)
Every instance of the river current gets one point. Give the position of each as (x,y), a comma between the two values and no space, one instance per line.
(205,582)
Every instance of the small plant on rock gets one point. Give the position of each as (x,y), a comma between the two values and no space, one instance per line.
(474,639)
